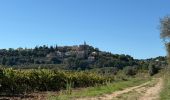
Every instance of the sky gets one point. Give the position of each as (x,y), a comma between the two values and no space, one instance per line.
(118,26)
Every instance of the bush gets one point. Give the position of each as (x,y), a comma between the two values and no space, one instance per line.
(130,70)
(152,70)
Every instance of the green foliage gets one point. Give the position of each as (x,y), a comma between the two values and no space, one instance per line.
(100,90)
(168,51)
(130,70)
(165,93)
(165,27)
(20,81)
(80,57)
(152,70)
(69,86)
(165,34)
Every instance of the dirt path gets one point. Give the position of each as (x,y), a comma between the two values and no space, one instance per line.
(153,92)
(146,91)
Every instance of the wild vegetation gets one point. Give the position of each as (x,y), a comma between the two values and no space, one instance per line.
(165,35)
(23,81)
(101,90)
(82,57)
(73,57)
(63,68)
(165,93)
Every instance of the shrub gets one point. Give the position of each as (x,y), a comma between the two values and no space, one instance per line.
(152,70)
(130,70)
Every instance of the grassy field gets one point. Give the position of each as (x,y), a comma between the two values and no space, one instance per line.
(99,90)
(165,94)
(137,93)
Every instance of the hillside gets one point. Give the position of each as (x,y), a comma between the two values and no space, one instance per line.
(78,57)
(71,56)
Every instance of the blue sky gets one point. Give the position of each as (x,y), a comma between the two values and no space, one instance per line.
(118,26)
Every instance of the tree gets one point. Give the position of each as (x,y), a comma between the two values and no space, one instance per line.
(130,70)
(165,33)
(152,70)
(4,60)
(71,63)
(165,28)
(55,60)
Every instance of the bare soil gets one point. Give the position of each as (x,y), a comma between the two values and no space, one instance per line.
(146,91)
(152,93)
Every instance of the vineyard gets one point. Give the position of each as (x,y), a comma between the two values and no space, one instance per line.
(24,81)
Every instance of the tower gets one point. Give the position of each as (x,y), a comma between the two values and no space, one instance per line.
(85,43)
